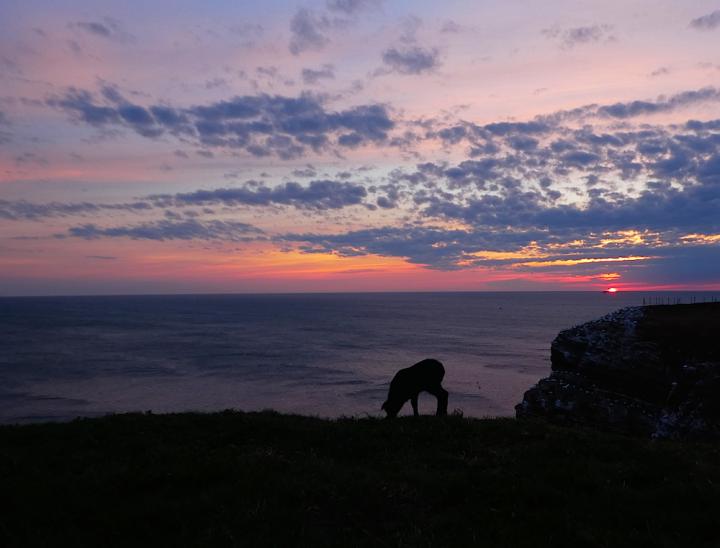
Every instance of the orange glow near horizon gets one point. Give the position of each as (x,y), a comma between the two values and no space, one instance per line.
(262,267)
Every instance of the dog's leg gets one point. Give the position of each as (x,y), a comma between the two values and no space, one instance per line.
(442,400)
(414,402)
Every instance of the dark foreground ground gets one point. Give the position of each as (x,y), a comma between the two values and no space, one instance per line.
(236,479)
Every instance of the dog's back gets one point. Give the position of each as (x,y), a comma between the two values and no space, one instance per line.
(425,374)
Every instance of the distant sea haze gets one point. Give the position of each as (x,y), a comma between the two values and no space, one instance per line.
(321,354)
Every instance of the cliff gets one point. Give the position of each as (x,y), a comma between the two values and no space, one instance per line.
(651,371)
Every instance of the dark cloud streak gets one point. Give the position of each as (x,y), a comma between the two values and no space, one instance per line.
(307,31)
(351,7)
(572,37)
(313,76)
(412,60)
(171,230)
(263,125)
(318,195)
(710,21)
(24,210)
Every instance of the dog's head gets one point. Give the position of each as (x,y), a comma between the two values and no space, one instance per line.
(391,408)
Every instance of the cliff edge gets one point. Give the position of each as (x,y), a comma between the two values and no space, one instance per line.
(651,371)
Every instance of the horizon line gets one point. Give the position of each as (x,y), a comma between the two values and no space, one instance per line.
(378,292)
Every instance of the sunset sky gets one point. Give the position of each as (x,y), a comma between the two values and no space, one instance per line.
(358,145)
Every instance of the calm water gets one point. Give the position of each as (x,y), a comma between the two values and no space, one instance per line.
(328,355)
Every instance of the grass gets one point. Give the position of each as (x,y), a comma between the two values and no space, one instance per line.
(264,479)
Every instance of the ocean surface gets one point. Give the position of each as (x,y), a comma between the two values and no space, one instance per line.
(321,354)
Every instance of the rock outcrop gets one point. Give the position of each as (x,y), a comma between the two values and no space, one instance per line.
(652,371)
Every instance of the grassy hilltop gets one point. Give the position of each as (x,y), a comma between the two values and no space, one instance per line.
(264,479)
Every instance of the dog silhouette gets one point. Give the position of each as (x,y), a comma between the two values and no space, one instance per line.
(424,376)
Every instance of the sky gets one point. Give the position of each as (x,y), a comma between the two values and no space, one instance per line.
(358,145)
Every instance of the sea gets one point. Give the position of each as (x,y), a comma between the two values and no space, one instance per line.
(327,355)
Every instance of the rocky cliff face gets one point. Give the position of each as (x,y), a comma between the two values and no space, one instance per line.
(652,371)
